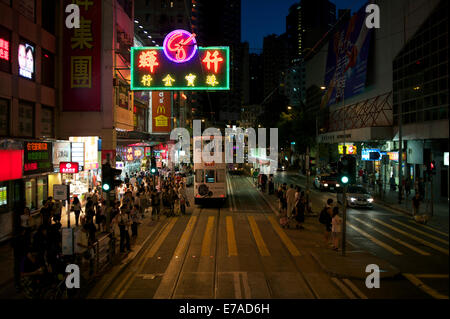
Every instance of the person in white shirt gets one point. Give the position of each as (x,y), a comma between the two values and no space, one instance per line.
(336,228)
(26,220)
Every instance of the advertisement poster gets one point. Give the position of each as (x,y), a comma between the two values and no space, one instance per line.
(82,60)
(90,150)
(348,52)
(161,112)
(67,241)
(25,56)
(61,153)
(37,158)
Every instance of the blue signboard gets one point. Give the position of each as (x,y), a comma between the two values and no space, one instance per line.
(348,51)
(370,154)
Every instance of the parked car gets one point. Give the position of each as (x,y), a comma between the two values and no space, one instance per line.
(326,182)
(357,196)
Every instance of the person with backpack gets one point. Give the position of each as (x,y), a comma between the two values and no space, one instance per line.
(325,218)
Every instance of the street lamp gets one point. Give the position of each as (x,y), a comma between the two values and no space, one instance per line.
(289,108)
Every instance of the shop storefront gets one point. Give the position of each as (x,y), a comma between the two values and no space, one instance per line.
(85,151)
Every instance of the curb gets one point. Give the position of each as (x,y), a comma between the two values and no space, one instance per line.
(121,267)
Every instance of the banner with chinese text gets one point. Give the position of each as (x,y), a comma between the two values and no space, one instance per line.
(82,60)
(161,112)
(208,69)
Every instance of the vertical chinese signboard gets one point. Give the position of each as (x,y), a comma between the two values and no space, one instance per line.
(37,158)
(82,60)
(161,111)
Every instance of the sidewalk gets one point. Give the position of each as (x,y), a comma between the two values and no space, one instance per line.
(440,218)
(352,266)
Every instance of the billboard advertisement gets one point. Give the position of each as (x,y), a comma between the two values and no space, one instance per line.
(161,112)
(37,157)
(348,52)
(82,60)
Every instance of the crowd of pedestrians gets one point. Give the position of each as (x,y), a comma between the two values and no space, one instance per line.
(38,251)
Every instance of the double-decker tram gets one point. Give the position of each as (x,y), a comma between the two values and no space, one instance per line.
(210,184)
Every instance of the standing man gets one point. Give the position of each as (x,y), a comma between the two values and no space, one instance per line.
(156,202)
(290,197)
(124,222)
(416,204)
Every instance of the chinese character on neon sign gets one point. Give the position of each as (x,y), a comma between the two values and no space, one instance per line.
(180,46)
(4,49)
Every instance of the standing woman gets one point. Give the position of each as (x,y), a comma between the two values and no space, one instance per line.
(76,207)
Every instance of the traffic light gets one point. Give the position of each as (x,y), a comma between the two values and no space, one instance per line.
(431,168)
(109,180)
(347,170)
(106,177)
(115,177)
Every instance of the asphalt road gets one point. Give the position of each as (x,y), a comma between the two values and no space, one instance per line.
(240,251)
(420,252)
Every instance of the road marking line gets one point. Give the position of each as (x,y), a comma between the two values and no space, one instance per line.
(167,285)
(433,276)
(376,241)
(420,251)
(427,289)
(284,238)
(421,232)
(344,288)
(161,238)
(237,286)
(127,281)
(231,238)
(206,244)
(230,200)
(355,289)
(258,238)
(247,293)
(420,240)
(233,200)
(430,228)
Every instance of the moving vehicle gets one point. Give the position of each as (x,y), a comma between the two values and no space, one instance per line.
(235,168)
(209,177)
(326,182)
(357,196)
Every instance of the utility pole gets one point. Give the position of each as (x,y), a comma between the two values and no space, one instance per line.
(344,210)
(307,177)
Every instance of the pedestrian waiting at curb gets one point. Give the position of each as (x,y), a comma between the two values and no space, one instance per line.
(336,228)
(325,218)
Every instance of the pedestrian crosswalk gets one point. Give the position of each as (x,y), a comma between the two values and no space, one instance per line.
(392,235)
(400,238)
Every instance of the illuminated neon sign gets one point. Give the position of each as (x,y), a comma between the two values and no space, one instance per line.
(152,68)
(4,49)
(180,46)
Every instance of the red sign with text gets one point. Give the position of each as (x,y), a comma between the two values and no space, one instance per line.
(82,60)
(11,163)
(68,167)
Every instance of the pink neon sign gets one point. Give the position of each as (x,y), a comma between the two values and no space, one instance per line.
(180,46)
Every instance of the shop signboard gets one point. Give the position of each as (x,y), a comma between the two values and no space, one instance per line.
(138,152)
(77,150)
(119,165)
(60,192)
(446,158)
(68,167)
(67,241)
(11,165)
(180,65)
(148,151)
(61,153)
(351,149)
(37,157)
(90,150)
(393,156)
(82,54)
(370,154)
(161,112)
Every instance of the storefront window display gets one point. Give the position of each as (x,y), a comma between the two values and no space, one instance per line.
(36,190)
(30,194)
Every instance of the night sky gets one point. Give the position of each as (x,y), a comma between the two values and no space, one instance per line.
(264,17)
